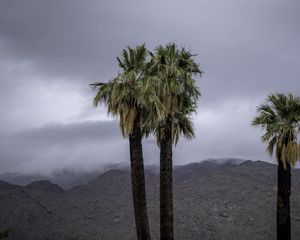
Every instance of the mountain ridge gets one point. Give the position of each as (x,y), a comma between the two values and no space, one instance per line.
(218,201)
(20,179)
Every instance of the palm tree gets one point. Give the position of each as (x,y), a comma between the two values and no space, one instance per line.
(279,116)
(173,69)
(125,98)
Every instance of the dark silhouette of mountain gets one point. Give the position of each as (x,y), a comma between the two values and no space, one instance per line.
(66,178)
(7,186)
(45,186)
(221,199)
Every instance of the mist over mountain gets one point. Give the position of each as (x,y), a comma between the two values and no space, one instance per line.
(68,178)
(217,199)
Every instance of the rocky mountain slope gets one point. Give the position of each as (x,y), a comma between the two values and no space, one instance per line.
(212,200)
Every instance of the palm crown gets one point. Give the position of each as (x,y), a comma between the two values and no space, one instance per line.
(173,70)
(125,95)
(153,87)
(280,117)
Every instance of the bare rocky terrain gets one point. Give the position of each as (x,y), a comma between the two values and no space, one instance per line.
(213,200)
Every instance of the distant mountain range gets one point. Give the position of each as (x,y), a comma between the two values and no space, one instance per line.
(68,178)
(215,199)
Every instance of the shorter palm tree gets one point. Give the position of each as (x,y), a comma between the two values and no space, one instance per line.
(280,118)
(125,98)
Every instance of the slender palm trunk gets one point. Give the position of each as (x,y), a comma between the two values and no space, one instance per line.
(166,183)
(138,183)
(283,202)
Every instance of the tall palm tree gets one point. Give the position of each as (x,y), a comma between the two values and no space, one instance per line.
(279,116)
(125,98)
(173,69)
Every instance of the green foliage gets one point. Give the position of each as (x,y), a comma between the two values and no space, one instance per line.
(130,94)
(279,116)
(153,86)
(174,70)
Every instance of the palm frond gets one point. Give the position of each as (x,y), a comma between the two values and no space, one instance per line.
(279,116)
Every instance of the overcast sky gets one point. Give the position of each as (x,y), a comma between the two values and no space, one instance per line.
(52,49)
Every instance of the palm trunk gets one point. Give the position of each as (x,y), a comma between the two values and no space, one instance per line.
(138,183)
(166,183)
(283,202)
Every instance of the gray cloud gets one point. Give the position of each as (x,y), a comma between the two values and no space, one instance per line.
(91,145)
(51,50)
(239,43)
(78,145)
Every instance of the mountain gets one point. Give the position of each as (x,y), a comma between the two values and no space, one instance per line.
(6,186)
(45,186)
(212,200)
(66,178)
